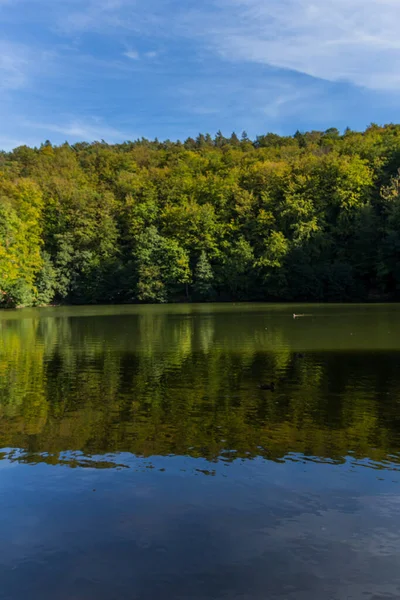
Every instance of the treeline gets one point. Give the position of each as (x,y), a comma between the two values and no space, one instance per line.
(314,216)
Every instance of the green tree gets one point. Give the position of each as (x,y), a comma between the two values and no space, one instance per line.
(20,241)
(161,265)
(204,276)
(313,216)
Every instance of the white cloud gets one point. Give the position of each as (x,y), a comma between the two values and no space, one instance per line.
(14,66)
(95,14)
(132,54)
(168,45)
(288,100)
(249,104)
(91,129)
(350,40)
(21,65)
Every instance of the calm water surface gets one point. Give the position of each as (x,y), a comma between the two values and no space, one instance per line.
(140,459)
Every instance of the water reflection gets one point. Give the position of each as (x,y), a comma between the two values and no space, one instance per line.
(142,460)
(159,382)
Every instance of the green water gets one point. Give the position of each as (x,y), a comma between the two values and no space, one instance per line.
(146,401)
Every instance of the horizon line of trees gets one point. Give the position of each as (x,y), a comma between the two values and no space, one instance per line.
(309,217)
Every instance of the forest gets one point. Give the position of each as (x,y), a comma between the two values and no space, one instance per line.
(309,217)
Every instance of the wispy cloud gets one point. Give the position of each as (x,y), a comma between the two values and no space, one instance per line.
(132,54)
(15,65)
(169,68)
(91,129)
(269,101)
(91,16)
(135,55)
(335,40)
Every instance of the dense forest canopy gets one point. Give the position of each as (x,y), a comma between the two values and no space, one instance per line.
(314,216)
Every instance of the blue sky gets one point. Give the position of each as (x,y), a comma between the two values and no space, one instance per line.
(121,69)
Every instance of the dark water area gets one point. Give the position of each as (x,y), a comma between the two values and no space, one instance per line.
(140,459)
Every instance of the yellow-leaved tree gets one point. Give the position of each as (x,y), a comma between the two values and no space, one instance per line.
(20,240)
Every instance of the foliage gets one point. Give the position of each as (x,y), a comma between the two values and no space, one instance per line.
(314,216)
(203,277)
(20,241)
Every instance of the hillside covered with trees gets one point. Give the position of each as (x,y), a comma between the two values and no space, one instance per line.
(312,217)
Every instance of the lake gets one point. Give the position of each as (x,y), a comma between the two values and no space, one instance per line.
(140,459)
